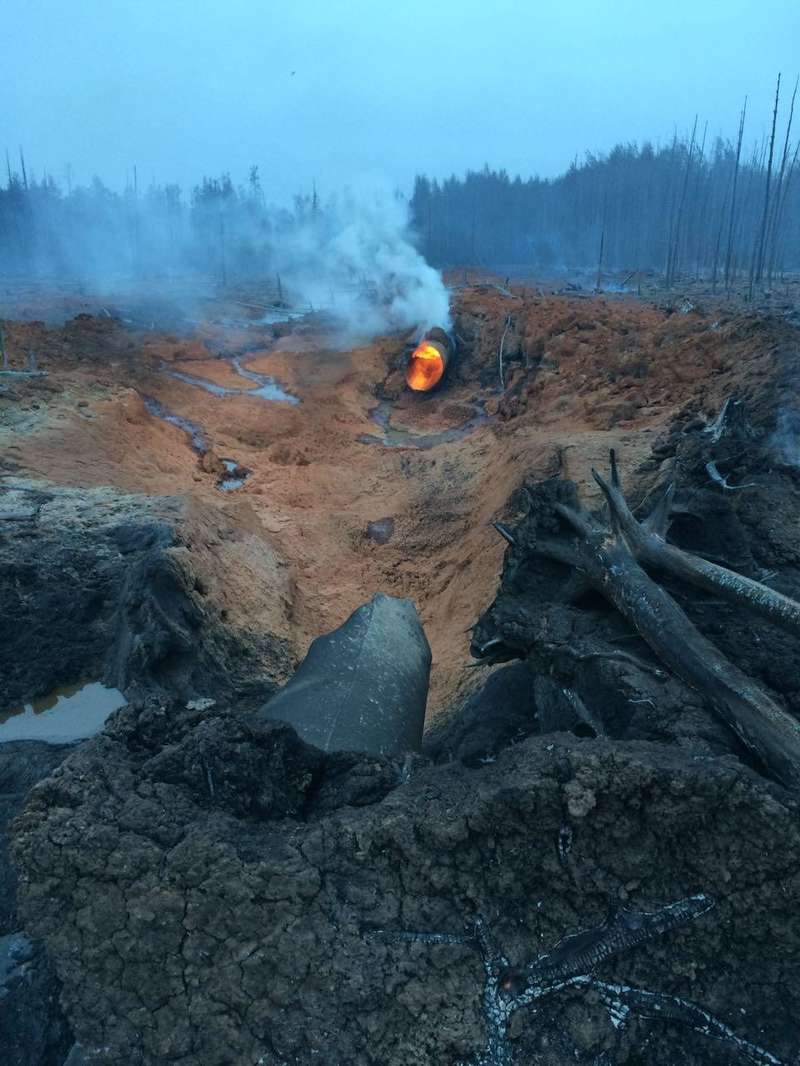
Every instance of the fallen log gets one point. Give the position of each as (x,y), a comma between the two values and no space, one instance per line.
(648,544)
(607,561)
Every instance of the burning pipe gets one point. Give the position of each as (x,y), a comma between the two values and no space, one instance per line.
(429,360)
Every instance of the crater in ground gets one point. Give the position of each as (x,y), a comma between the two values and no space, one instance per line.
(579,376)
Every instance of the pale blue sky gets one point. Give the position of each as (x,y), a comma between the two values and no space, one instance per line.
(348,91)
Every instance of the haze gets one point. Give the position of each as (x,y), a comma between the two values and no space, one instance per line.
(349,92)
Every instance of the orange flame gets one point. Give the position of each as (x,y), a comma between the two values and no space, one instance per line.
(425,368)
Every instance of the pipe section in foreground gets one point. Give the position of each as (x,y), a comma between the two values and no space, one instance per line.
(362,687)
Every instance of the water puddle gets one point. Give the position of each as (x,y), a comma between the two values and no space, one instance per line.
(195,433)
(74,712)
(238,476)
(381,530)
(268,388)
(404,437)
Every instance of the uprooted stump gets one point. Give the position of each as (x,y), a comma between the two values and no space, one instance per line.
(626,561)
(607,558)
(207,888)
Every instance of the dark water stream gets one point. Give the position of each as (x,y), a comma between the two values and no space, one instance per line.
(195,433)
(395,436)
(268,388)
(236,473)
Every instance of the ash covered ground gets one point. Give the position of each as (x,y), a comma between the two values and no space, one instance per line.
(196,888)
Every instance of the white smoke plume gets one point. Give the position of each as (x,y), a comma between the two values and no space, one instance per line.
(785,440)
(353,257)
(356,260)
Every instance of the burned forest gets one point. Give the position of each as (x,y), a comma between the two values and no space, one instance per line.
(399,556)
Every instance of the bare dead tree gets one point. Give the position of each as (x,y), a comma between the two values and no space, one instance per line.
(673,252)
(500,356)
(744,250)
(700,203)
(729,253)
(778,198)
(756,270)
(602,245)
(717,246)
(780,210)
(222,256)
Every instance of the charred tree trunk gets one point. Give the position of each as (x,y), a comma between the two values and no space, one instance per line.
(676,235)
(729,253)
(756,274)
(647,543)
(609,559)
(778,198)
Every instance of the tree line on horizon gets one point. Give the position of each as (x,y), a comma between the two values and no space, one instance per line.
(718,212)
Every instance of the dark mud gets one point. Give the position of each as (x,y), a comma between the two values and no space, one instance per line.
(210,892)
(33,1031)
(33,1028)
(99,584)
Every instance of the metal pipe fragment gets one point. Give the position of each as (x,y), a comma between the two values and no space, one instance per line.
(362,687)
(429,360)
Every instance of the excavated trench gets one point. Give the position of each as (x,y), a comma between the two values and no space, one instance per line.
(375,895)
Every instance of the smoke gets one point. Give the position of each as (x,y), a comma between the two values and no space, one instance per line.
(356,259)
(353,257)
(785,440)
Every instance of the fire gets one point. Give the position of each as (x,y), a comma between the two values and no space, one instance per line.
(425,368)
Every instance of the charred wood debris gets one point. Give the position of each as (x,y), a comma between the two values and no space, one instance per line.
(562,555)
(571,965)
(614,553)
